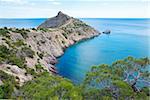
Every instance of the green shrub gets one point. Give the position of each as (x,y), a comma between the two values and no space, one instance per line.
(5,28)
(4,32)
(40,55)
(27,30)
(65,35)
(23,32)
(1,60)
(79,33)
(5,77)
(4,51)
(33,29)
(28,52)
(44,29)
(19,43)
(8,56)
(7,88)
(38,67)
(63,41)
(13,59)
(9,43)
(30,71)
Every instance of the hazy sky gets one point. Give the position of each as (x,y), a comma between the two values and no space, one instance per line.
(75,8)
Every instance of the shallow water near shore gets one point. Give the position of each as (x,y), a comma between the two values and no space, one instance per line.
(129,37)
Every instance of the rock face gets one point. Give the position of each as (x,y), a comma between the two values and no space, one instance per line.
(57,21)
(16,72)
(49,41)
(61,32)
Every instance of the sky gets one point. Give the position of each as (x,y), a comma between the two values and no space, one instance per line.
(75,8)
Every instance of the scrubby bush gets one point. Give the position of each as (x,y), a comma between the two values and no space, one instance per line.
(9,43)
(8,56)
(65,35)
(30,71)
(19,43)
(41,55)
(63,41)
(79,33)
(50,87)
(7,88)
(34,29)
(23,32)
(4,32)
(14,60)
(4,52)
(39,67)
(43,29)
(28,52)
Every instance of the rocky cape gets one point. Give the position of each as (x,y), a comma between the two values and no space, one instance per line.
(48,41)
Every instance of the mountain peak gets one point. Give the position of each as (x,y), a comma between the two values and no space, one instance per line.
(56,21)
(60,13)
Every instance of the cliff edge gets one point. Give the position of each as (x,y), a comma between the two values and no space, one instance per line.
(28,52)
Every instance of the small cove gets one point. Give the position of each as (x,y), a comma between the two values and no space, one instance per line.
(129,37)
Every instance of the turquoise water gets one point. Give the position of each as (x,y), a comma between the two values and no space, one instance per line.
(129,37)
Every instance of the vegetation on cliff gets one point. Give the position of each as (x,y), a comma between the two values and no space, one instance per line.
(24,48)
(9,56)
(49,87)
(118,81)
(7,88)
(124,79)
(27,54)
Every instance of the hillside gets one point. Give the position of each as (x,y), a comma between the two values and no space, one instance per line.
(28,52)
(28,56)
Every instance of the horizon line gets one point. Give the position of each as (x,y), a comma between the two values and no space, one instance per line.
(81,17)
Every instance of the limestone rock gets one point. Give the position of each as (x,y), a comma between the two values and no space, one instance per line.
(16,72)
(59,33)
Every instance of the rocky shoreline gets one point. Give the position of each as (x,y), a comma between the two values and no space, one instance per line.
(39,48)
(56,61)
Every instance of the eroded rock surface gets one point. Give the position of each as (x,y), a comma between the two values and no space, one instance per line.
(48,42)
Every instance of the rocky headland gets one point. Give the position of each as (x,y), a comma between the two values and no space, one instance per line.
(25,52)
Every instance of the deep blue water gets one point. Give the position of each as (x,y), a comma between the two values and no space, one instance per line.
(129,37)
(21,23)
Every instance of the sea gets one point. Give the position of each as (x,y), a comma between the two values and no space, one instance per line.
(128,37)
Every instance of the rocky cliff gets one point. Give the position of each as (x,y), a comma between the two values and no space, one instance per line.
(25,52)
(56,21)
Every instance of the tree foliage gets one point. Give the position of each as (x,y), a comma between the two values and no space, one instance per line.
(7,88)
(50,87)
(124,79)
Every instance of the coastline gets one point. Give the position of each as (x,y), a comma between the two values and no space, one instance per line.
(48,44)
(80,41)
